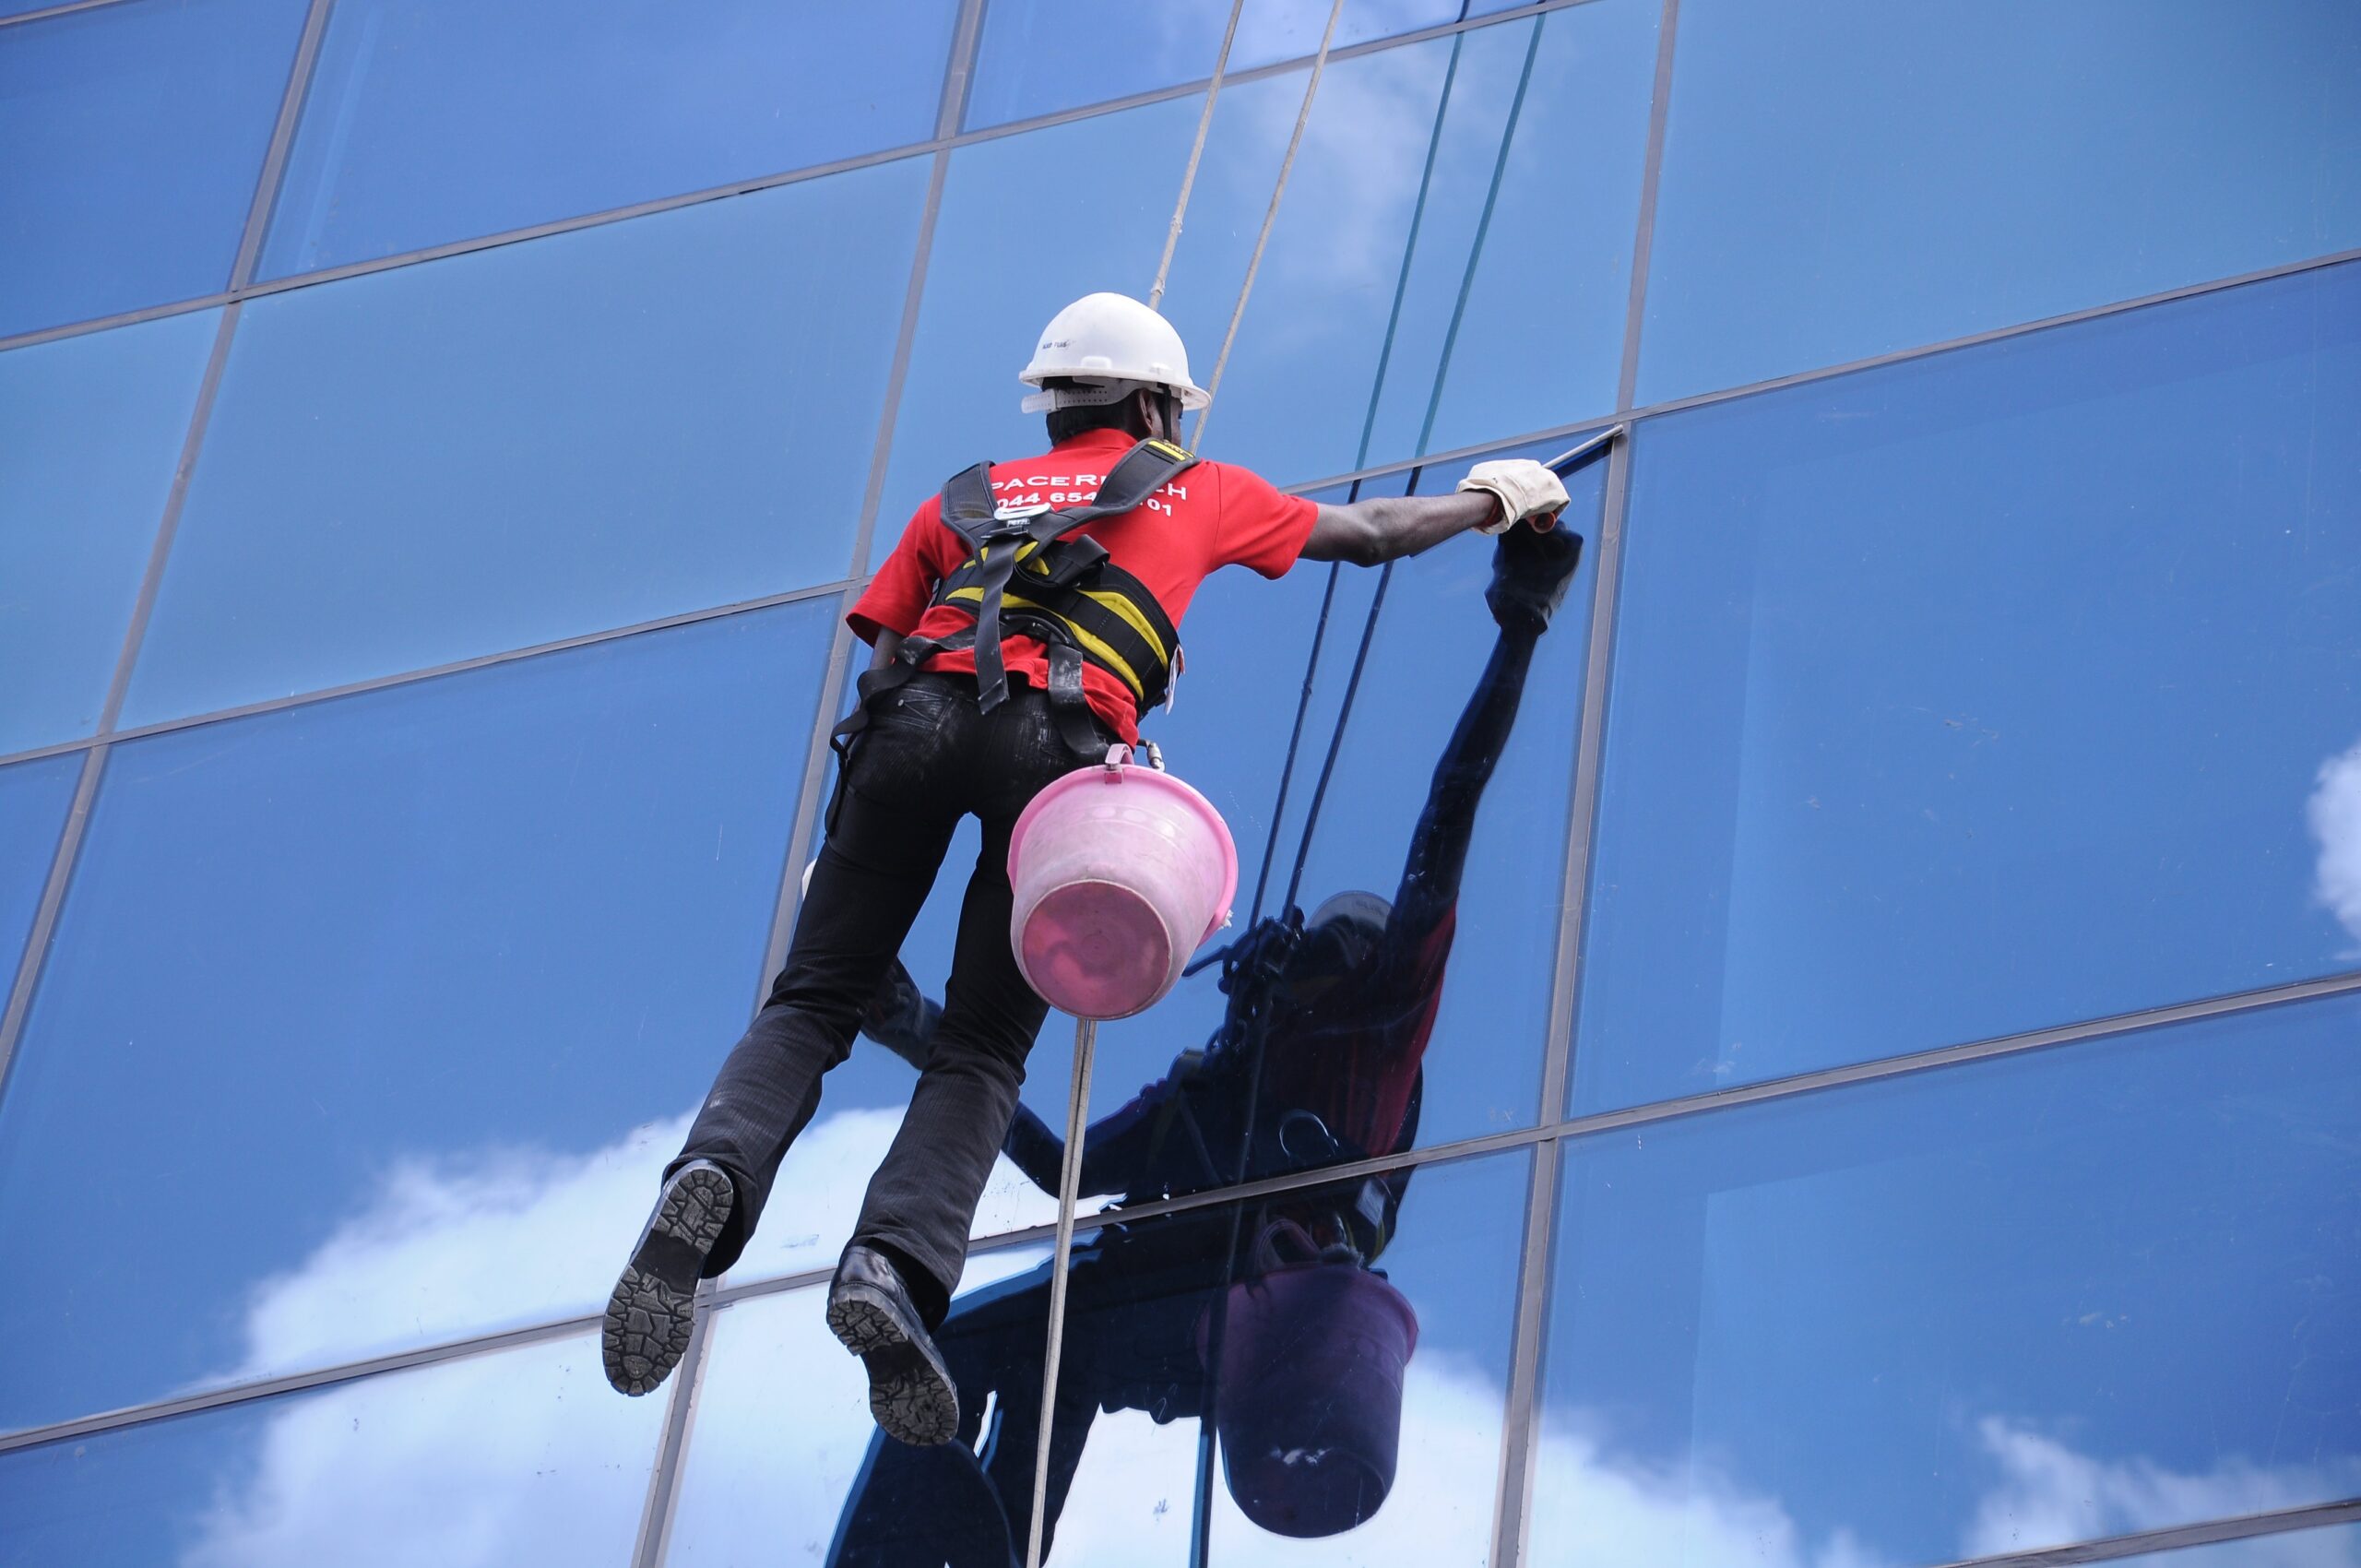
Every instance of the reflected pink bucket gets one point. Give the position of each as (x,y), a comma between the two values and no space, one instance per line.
(1120,872)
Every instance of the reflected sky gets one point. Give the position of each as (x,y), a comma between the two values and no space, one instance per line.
(429,123)
(530,443)
(1296,396)
(1842,179)
(507,1458)
(1982,693)
(2099,1288)
(135,133)
(409,969)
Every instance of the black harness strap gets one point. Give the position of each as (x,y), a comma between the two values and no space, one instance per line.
(1072,601)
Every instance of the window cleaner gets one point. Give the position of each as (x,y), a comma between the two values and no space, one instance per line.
(1270,1320)
(964,715)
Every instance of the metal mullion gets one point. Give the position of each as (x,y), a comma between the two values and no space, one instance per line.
(65,10)
(282,138)
(2172,1538)
(297,1382)
(1520,1426)
(664,1474)
(434,671)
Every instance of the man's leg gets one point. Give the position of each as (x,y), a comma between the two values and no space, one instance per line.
(893,823)
(871,877)
(923,1198)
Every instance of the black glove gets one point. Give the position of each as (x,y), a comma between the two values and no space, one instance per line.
(1530,572)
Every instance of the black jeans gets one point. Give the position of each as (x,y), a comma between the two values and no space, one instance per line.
(927,758)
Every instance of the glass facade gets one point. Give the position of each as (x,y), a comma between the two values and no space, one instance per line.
(1889,950)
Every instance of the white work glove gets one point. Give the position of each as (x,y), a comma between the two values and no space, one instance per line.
(1526,491)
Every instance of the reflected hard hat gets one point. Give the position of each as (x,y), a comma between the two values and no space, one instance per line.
(1114,345)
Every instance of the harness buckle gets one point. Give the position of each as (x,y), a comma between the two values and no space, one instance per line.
(1015,512)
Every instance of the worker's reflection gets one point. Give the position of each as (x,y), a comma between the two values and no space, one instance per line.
(1272,1317)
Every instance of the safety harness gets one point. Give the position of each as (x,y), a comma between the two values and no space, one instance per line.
(1028,573)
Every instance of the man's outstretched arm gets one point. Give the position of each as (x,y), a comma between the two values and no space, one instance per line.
(1493,496)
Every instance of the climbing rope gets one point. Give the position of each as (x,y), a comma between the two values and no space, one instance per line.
(1270,217)
(1197,151)
(1085,1033)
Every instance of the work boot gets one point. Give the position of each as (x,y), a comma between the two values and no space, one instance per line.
(1530,572)
(648,1314)
(910,1391)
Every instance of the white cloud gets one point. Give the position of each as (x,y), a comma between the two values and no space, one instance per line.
(2334,812)
(527,1456)
(2051,1493)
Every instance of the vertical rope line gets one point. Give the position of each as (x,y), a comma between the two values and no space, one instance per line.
(1197,151)
(1483,228)
(1086,1036)
(1270,215)
(1295,739)
(1409,252)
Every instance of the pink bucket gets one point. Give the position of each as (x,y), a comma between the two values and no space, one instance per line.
(1120,872)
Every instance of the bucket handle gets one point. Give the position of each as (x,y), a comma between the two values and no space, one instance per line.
(1119,754)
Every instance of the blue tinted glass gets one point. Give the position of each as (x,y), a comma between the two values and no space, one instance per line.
(1313,350)
(1037,56)
(783,1430)
(529,443)
(425,982)
(135,133)
(33,797)
(1529,303)
(1969,696)
(1842,179)
(429,122)
(519,1458)
(1345,1400)
(90,430)
(2086,1292)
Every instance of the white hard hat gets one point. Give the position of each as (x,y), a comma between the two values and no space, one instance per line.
(1114,345)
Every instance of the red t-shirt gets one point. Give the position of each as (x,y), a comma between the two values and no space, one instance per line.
(1214,515)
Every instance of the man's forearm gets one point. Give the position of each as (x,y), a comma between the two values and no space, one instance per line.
(1387,527)
(888,644)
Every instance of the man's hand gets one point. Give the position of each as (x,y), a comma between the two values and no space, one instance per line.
(1527,494)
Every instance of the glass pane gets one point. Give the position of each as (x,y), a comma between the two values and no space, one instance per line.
(1964,696)
(523,1456)
(1039,57)
(783,1433)
(1351,1394)
(1506,323)
(135,133)
(403,998)
(33,800)
(428,123)
(1326,375)
(2099,1288)
(534,442)
(91,431)
(1845,178)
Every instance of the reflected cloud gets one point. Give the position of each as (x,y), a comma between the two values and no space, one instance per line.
(526,1457)
(449,1246)
(2051,1493)
(2334,812)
